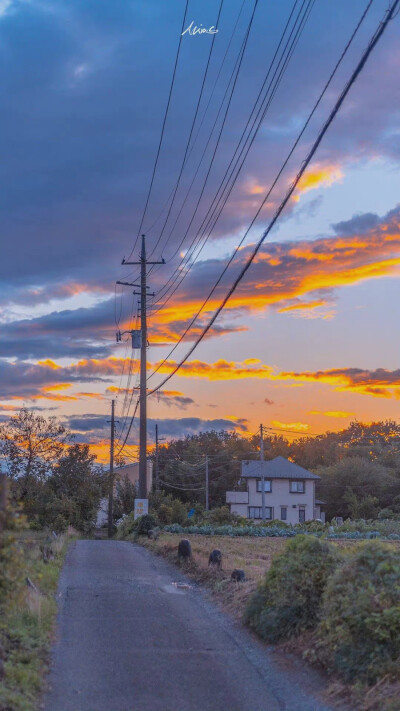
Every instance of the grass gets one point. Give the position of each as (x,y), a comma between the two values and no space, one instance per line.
(27,623)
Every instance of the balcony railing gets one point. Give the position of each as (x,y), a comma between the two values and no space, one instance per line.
(237,497)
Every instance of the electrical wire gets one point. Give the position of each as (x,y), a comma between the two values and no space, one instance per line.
(206,220)
(374,40)
(191,131)
(163,128)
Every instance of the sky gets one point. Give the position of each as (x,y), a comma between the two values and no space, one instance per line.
(309,341)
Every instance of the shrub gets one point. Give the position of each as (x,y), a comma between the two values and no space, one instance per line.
(359,633)
(126,526)
(165,514)
(288,600)
(178,511)
(220,516)
(145,523)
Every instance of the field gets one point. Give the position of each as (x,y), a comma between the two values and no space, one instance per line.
(253,555)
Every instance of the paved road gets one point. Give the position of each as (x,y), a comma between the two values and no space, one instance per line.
(129,640)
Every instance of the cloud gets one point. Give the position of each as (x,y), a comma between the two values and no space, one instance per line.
(319,175)
(334,413)
(297,278)
(267,401)
(220,370)
(294,426)
(95,427)
(379,382)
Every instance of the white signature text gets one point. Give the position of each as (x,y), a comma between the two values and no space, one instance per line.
(192,30)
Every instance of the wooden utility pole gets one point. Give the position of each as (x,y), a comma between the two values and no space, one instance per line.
(3,502)
(262,473)
(143,368)
(207,500)
(111,476)
(158,440)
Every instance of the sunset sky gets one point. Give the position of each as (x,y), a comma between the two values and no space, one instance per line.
(310,340)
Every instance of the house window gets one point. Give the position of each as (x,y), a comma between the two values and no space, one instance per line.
(267,485)
(283,513)
(297,487)
(256,512)
(302,514)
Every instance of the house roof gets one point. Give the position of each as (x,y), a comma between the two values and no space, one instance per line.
(320,503)
(278,468)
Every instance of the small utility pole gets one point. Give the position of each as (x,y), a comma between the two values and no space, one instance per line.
(158,439)
(262,473)
(3,502)
(143,368)
(207,502)
(111,476)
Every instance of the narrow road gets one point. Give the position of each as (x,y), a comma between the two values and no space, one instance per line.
(130,640)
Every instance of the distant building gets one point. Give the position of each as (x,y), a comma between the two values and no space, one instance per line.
(128,472)
(289,492)
(131,473)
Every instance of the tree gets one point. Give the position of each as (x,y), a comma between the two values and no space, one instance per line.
(354,486)
(32,446)
(79,484)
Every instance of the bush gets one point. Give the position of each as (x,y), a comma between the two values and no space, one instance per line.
(178,512)
(359,633)
(165,514)
(144,524)
(288,600)
(221,516)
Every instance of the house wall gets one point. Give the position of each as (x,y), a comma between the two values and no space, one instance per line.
(131,472)
(240,509)
(281,496)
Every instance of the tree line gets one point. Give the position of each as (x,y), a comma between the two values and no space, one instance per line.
(359,466)
(57,482)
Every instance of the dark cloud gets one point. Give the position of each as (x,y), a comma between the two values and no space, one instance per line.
(84,89)
(97,428)
(357,224)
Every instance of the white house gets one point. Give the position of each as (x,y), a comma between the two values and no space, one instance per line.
(289,492)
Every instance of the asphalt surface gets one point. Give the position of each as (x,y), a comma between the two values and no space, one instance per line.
(130,640)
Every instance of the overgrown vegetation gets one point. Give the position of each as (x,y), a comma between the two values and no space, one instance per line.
(359,633)
(26,613)
(54,480)
(288,600)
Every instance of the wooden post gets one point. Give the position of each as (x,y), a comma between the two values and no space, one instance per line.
(3,501)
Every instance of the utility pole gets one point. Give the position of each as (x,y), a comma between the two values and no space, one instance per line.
(207,502)
(262,473)
(111,476)
(158,439)
(143,368)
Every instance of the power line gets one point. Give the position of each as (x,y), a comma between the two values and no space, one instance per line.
(236,250)
(374,40)
(236,72)
(149,229)
(163,128)
(191,131)
(207,219)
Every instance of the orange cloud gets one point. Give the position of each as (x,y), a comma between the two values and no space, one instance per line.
(333,413)
(379,382)
(303,305)
(220,370)
(284,275)
(297,426)
(318,176)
